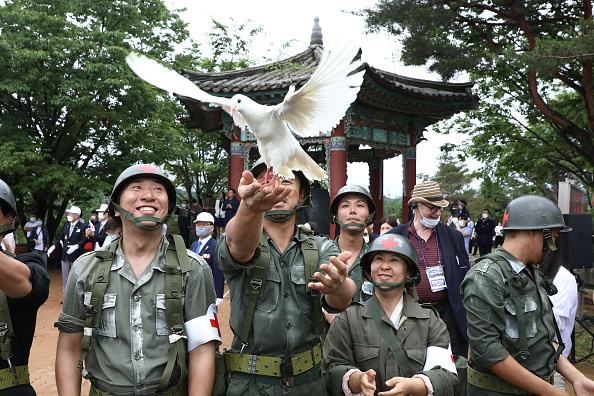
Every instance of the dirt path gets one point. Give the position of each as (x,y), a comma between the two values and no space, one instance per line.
(43,351)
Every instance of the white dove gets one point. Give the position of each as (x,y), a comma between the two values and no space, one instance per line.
(317,107)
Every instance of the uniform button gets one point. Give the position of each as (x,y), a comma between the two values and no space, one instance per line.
(137,298)
(136,327)
(137,356)
(283,265)
(285,295)
(289,325)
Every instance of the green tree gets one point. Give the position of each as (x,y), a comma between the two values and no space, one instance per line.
(452,176)
(532,61)
(72,114)
(393,207)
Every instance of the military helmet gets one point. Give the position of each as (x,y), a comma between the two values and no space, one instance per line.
(135,171)
(393,243)
(353,189)
(532,212)
(7,196)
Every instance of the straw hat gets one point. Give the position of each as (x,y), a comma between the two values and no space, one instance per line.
(428,193)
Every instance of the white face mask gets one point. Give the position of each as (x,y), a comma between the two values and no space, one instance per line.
(429,223)
(461,223)
(484,216)
(69,218)
(33,219)
(202,232)
(93,217)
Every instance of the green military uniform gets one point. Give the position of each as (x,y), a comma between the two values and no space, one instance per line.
(355,342)
(130,348)
(492,324)
(364,287)
(282,325)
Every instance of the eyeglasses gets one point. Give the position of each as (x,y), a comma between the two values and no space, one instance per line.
(434,209)
(203,224)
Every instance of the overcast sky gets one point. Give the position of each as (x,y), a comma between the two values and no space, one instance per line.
(284,21)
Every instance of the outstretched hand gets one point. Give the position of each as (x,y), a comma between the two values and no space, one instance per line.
(258,198)
(404,386)
(368,382)
(335,274)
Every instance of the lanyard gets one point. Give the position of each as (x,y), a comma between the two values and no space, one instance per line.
(421,249)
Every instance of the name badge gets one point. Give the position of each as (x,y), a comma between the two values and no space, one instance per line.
(206,256)
(367,287)
(436,278)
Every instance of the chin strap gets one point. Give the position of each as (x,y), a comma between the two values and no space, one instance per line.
(282,215)
(137,220)
(9,227)
(547,244)
(389,286)
(360,226)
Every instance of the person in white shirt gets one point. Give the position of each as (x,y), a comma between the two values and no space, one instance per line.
(8,242)
(97,234)
(564,302)
(31,224)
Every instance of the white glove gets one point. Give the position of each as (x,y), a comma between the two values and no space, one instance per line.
(219,301)
(71,249)
(50,250)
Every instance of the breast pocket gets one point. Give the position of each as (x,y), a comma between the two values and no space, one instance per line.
(268,300)
(366,356)
(107,324)
(511,321)
(161,315)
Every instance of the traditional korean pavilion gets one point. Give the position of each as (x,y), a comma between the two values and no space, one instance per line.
(387,119)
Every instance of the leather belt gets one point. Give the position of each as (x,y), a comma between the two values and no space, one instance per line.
(289,366)
(301,379)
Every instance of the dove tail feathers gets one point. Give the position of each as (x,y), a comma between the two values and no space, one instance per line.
(304,163)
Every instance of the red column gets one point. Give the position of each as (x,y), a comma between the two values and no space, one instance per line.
(236,168)
(338,162)
(409,168)
(376,176)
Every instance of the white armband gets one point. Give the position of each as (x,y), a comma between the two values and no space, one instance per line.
(203,329)
(437,356)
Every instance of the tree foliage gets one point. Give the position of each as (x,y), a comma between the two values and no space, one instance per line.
(532,61)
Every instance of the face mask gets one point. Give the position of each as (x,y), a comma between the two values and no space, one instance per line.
(183,206)
(101,216)
(93,217)
(202,232)
(39,224)
(459,206)
(33,219)
(484,216)
(461,223)
(69,218)
(366,238)
(429,223)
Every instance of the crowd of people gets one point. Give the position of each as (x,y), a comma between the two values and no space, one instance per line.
(400,312)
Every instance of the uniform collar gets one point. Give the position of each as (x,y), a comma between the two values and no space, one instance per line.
(516,264)
(410,309)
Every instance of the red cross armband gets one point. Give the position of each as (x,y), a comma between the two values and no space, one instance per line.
(203,329)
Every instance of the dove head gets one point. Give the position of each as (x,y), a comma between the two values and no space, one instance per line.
(239,103)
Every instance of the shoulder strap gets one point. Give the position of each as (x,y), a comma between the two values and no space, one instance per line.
(377,312)
(6,332)
(512,281)
(255,288)
(95,305)
(311,258)
(176,263)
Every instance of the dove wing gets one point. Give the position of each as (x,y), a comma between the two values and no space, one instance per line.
(322,102)
(169,80)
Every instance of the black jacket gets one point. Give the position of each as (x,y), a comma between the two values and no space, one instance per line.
(77,237)
(208,254)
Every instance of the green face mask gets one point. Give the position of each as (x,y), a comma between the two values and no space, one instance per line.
(9,227)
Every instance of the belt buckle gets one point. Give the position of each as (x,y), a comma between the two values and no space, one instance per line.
(286,372)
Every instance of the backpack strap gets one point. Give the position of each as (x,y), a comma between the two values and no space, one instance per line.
(95,305)
(385,329)
(311,258)
(516,288)
(176,263)
(255,288)
(6,331)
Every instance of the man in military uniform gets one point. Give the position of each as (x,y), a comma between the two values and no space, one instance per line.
(276,347)
(24,287)
(138,300)
(511,325)
(353,209)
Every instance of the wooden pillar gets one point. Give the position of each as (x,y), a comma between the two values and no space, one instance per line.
(338,162)
(409,178)
(236,166)
(376,179)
